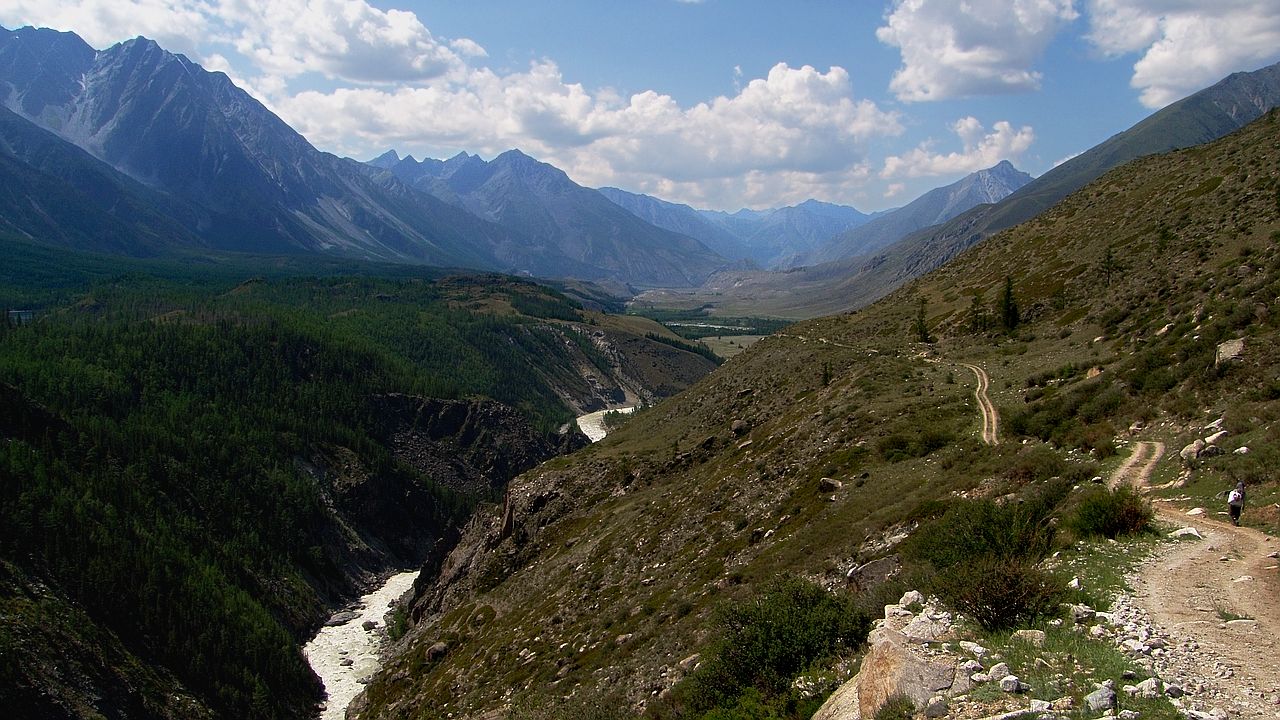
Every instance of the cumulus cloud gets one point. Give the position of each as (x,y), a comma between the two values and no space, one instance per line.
(1185,45)
(982,149)
(793,131)
(977,47)
(173,23)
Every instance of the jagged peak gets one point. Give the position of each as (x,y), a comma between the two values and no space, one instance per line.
(386,159)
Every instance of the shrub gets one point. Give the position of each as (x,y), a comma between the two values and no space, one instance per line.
(896,707)
(1111,513)
(982,527)
(999,593)
(764,642)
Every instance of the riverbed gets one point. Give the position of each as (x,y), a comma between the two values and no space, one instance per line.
(346,655)
(592,424)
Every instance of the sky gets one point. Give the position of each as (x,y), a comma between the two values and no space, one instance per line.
(720,104)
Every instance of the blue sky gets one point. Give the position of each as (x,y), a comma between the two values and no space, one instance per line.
(718,103)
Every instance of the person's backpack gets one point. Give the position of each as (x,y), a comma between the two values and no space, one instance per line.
(1235,498)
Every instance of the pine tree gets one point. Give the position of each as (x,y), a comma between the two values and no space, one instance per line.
(979,319)
(922,328)
(1008,307)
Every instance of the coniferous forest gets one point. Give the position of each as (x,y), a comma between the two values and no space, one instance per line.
(158,455)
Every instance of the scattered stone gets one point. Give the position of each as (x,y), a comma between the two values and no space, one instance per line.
(1104,698)
(1228,351)
(346,662)
(1242,624)
(827,485)
(1040,706)
(1274,554)
(1034,638)
(1173,691)
(999,671)
(973,648)
(969,667)
(437,651)
(936,708)
(927,627)
(911,597)
(1186,532)
(690,662)
(1191,450)
(1082,613)
(1149,688)
(1242,450)
(868,575)
(1214,438)
(342,618)
(368,625)
(1129,715)
(1215,425)
(1064,704)
(623,639)
(1010,684)
(1210,451)
(1196,511)
(1074,584)
(740,427)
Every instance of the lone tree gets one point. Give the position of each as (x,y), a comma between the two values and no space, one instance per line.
(922,328)
(1008,307)
(979,318)
(1109,266)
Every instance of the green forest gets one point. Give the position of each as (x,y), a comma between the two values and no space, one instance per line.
(156,422)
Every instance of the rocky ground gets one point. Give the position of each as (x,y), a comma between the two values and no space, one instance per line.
(1213,601)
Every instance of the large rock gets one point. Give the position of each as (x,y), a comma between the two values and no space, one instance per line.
(869,575)
(1229,350)
(1104,698)
(888,669)
(1192,451)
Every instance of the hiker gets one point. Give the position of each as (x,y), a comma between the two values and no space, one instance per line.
(1235,502)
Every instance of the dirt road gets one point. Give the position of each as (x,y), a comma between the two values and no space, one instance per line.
(990,417)
(1216,598)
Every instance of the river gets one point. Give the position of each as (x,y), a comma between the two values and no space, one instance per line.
(592,424)
(345,655)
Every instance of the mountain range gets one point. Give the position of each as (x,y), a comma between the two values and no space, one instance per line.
(852,282)
(136,150)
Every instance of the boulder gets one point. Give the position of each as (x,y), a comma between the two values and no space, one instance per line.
(972,647)
(437,651)
(1149,688)
(1010,684)
(1191,451)
(1242,450)
(368,625)
(1035,638)
(1186,532)
(1214,438)
(342,618)
(1228,351)
(888,669)
(1041,706)
(1211,451)
(827,485)
(911,597)
(1082,613)
(868,575)
(936,707)
(1104,698)
(740,428)
(927,627)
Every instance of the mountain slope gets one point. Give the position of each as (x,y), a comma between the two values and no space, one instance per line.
(841,285)
(564,228)
(679,219)
(598,581)
(936,206)
(256,183)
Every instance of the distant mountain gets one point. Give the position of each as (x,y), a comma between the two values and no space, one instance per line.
(564,229)
(256,184)
(771,238)
(680,219)
(841,285)
(936,206)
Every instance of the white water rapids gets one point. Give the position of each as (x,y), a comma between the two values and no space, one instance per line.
(592,424)
(346,655)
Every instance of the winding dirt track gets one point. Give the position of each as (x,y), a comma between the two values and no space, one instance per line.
(1189,587)
(990,417)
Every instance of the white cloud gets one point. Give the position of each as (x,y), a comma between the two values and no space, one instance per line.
(1185,45)
(981,150)
(974,47)
(795,131)
(894,190)
(175,24)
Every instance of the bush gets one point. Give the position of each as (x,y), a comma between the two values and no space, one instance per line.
(981,527)
(896,707)
(1111,513)
(999,593)
(764,642)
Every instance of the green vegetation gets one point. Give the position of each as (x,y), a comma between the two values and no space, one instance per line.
(697,324)
(896,707)
(179,443)
(696,348)
(1111,513)
(762,644)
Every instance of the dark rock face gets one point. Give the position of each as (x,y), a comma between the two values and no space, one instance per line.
(470,446)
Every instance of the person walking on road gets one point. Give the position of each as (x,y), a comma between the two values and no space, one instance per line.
(1235,502)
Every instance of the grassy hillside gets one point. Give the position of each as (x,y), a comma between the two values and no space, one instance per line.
(607,571)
